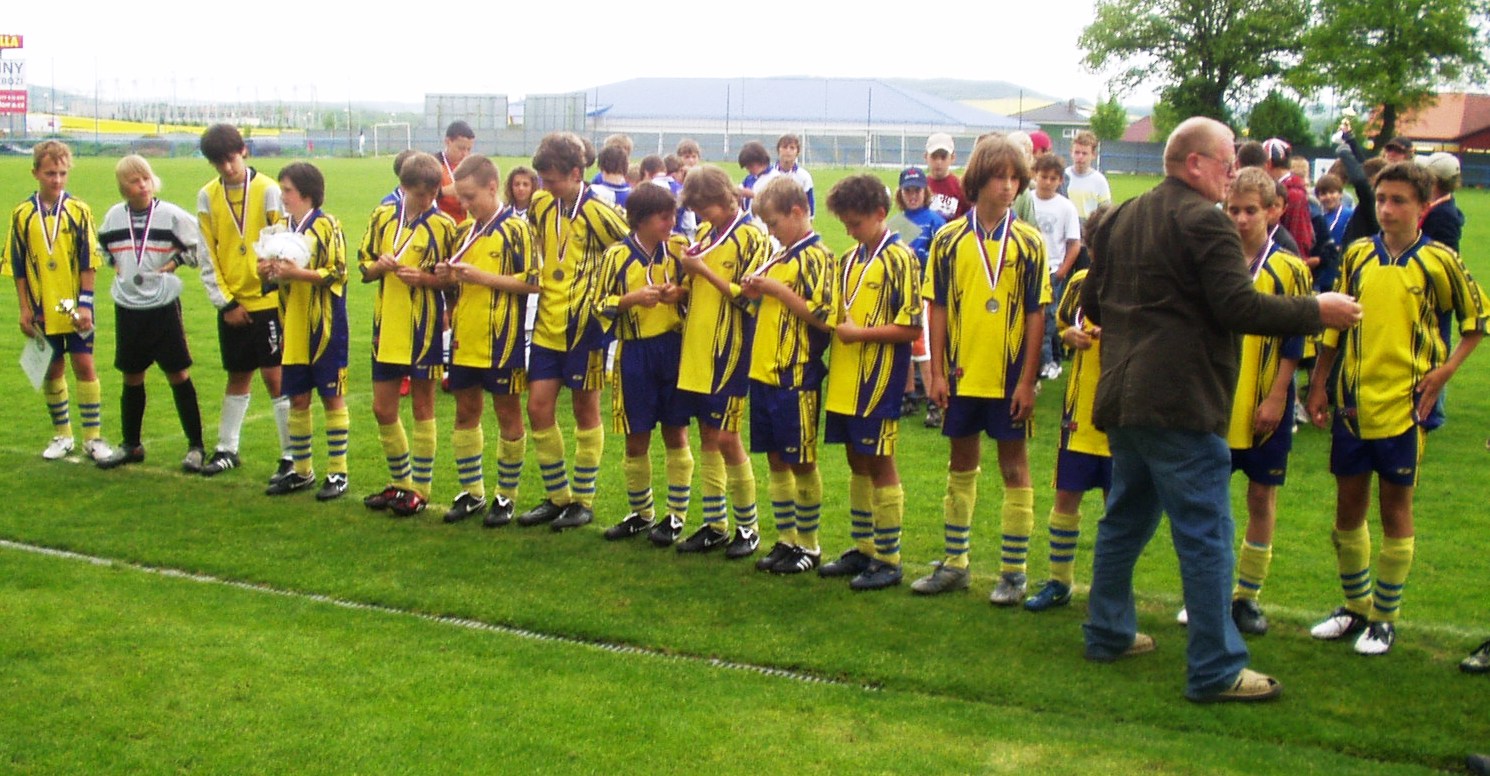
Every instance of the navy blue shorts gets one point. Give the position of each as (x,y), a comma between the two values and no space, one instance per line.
(580,369)
(712,410)
(382,372)
(496,381)
(644,393)
(1395,459)
(327,377)
(966,416)
(69,343)
(1080,472)
(784,421)
(863,436)
(1266,463)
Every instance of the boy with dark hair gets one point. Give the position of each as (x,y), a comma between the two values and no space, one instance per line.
(572,229)
(755,160)
(688,152)
(878,317)
(50,255)
(492,271)
(313,308)
(1393,366)
(639,296)
(794,292)
(1060,224)
(987,282)
(232,209)
(460,139)
(403,246)
(612,177)
(146,240)
(397,194)
(713,372)
(788,149)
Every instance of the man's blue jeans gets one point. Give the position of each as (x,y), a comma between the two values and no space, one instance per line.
(1185,474)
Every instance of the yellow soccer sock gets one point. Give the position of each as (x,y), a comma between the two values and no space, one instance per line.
(302,428)
(861,512)
(741,481)
(1018,521)
(1065,530)
(548,447)
(337,424)
(889,513)
(711,489)
(809,507)
(1353,559)
(58,405)
(1252,570)
(962,495)
(679,480)
(470,444)
(782,488)
(90,395)
(424,455)
(639,484)
(510,454)
(396,452)
(1391,576)
(589,444)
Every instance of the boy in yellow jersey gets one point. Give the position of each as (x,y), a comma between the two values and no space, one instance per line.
(988,286)
(794,290)
(493,267)
(50,253)
(714,370)
(878,305)
(1083,461)
(639,294)
(404,244)
(572,229)
(1392,368)
(232,209)
(313,308)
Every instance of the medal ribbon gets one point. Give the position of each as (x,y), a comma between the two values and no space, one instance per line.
(50,236)
(656,258)
(569,221)
(786,253)
(1262,258)
(991,269)
(138,248)
(400,249)
(849,297)
(699,250)
(478,231)
(240,218)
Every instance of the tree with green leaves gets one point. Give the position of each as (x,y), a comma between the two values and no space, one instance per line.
(1276,115)
(1392,54)
(1109,119)
(1205,54)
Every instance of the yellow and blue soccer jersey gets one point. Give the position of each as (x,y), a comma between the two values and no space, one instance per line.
(1080,434)
(1283,274)
(407,321)
(717,329)
(866,379)
(788,351)
(1381,360)
(570,243)
(231,219)
(986,301)
(51,248)
(487,324)
(626,268)
(314,315)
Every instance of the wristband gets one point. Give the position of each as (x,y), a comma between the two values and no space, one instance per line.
(85,299)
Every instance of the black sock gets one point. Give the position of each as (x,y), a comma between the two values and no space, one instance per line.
(132,413)
(188,411)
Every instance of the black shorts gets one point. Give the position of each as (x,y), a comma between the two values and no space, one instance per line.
(252,347)
(151,336)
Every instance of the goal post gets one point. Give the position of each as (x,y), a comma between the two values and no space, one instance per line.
(392,137)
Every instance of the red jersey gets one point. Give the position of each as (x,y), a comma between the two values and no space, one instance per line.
(946,197)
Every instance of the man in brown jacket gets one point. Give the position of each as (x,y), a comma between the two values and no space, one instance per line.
(1170,289)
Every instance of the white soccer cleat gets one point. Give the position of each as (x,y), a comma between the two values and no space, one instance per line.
(98,450)
(59,447)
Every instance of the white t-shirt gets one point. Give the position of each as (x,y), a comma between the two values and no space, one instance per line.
(1088,191)
(1058,222)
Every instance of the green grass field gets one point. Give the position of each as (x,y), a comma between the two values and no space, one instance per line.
(666,664)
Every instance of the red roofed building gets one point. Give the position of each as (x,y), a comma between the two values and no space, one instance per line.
(1455,122)
(1140,131)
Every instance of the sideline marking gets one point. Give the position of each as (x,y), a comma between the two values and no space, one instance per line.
(441,619)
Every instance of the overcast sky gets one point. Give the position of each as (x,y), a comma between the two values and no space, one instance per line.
(377,50)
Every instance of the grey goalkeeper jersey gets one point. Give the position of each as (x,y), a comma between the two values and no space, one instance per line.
(138,244)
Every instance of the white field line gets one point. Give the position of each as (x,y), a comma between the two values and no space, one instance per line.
(447,620)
